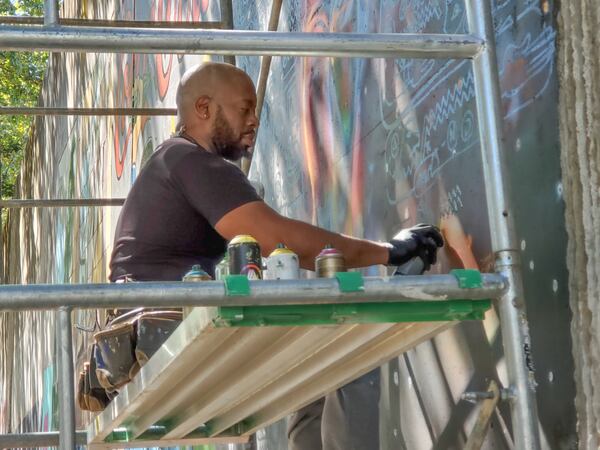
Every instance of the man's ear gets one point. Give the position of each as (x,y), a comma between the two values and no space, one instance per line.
(201,106)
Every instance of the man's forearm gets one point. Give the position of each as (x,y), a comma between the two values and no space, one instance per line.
(307,241)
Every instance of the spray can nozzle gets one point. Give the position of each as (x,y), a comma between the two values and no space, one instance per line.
(414,266)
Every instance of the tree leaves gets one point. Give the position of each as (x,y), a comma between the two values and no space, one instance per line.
(21,76)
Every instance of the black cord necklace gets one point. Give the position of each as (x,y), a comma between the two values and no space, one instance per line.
(187,137)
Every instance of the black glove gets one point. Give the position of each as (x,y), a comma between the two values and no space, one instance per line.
(422,240)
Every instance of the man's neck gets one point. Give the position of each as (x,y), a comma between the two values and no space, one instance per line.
(198,139)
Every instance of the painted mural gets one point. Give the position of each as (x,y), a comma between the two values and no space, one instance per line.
(359,146)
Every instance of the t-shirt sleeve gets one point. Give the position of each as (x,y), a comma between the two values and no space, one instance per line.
(212,185)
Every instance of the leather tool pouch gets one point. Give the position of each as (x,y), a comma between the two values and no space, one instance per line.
(153,329)
(126,344)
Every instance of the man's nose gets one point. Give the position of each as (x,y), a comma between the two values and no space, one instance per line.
(254,121)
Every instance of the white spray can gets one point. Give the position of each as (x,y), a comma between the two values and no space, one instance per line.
(282,264)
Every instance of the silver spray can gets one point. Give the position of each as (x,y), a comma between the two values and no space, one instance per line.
(414,266)
(329,262)
(282,264)
(195,274)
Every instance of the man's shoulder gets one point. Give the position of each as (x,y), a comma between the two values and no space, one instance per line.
(176,144)
(180,156)
(177,151)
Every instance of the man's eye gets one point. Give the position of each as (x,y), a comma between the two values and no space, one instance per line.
(245,110)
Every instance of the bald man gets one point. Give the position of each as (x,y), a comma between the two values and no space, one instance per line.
(190,199)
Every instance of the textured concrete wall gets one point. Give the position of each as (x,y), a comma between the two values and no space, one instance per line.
(579,70)
(357,146)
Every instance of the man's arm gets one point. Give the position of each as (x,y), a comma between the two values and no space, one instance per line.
(270,228)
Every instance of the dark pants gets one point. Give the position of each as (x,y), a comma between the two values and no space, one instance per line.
(346,419)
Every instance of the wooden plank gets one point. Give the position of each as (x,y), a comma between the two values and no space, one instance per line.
(180,355)
(346,369)
(272,362)
(281,386)
(227,357)
(161,443)
(486,410)
(222,376)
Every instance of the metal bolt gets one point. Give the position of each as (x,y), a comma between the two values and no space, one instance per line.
(475,396)
(559,190)
(507,394)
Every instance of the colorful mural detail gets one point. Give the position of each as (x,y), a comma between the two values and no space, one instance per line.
(358,146)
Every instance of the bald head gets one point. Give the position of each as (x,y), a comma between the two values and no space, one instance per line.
(214,80)
(216,105)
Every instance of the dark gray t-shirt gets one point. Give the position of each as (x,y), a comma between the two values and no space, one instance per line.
(167,222)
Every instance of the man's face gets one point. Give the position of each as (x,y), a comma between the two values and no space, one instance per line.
(235,124)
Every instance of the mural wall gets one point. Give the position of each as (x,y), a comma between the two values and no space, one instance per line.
(363,147)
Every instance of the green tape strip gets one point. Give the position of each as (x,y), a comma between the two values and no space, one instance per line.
(467,278)
(350,281)
(331,314)
(237,285)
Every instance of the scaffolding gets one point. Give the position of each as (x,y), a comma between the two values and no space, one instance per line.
(505,285)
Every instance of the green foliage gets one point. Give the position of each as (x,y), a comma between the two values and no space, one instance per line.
(21,75)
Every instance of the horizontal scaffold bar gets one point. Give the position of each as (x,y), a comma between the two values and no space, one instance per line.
(51,111)
(29,20)
(51,438)
(237,42)
(262,292)
(59,203)
(34,440)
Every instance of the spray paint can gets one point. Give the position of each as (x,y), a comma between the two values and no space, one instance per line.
(244,257)
(328,262)
(414,266)
(195,274)
(283,264)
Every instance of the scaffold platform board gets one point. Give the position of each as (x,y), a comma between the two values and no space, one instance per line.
(228,371)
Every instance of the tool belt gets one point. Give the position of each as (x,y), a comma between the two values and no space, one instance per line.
(120,349)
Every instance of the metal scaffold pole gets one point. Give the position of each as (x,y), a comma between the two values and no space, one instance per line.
(511,305)
(236,42)
(50,13)
(35,440)
(264,292)
(60,203)
(75,111)
(227,19)
(66,380)
(72,21)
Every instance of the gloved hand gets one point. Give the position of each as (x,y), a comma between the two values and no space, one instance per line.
(422,240)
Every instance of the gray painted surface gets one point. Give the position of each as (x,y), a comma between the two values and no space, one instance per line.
(368,146)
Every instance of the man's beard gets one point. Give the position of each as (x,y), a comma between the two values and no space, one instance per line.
(224,140)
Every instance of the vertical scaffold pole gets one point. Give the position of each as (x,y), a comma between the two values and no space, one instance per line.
(511,305)
(227,20)
(66,381)
(50,12)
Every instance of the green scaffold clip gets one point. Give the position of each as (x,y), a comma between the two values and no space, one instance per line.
(467,278)
(237,285)
(350,281)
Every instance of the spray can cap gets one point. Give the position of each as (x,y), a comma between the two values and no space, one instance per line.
(281,249)
(195,273)
(330,251)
